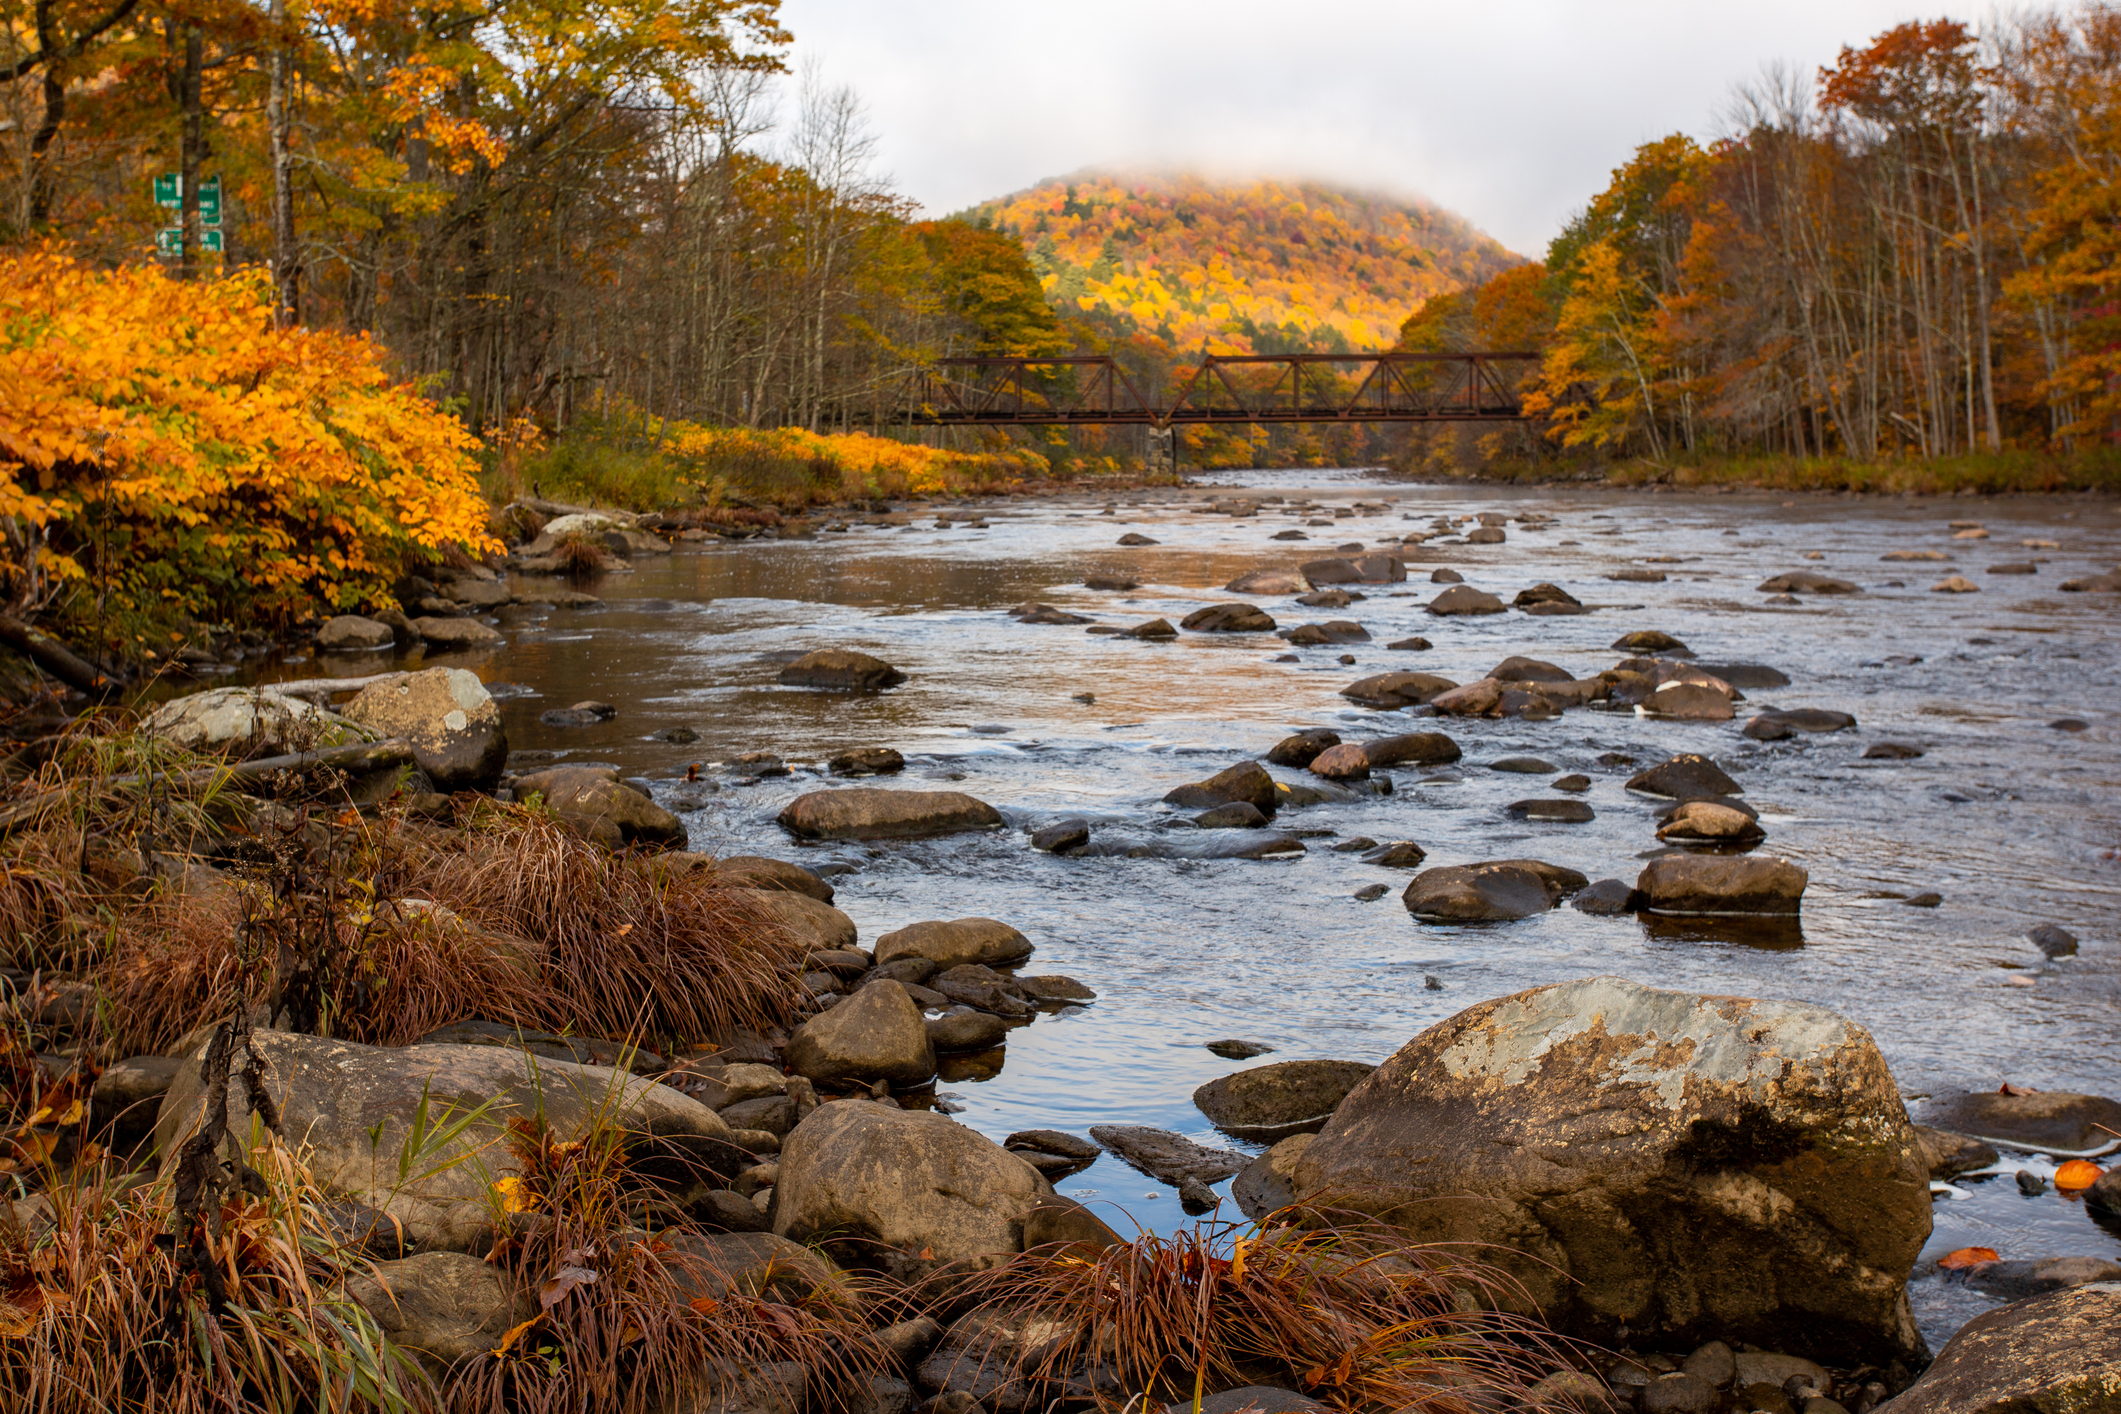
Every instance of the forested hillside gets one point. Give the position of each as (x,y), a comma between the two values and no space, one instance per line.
(1240,267)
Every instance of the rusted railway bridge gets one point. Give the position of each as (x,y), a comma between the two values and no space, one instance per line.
(1224,388)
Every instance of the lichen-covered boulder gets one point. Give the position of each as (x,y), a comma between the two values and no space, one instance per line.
(245,721)
(447,717)
(2059,1353)
(1688,1167)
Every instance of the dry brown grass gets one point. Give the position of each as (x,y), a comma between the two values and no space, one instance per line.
(581,556)
(1332,1304)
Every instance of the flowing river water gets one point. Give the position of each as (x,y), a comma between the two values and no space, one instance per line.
(2010,819)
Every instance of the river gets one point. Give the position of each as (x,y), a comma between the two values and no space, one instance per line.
(2011,819)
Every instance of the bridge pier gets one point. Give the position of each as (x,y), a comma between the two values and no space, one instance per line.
(1162,456)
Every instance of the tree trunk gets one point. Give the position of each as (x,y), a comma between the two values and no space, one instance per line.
(286,267)
(193,152)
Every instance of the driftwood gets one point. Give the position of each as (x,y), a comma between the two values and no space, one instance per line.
(358,759)
(54,657)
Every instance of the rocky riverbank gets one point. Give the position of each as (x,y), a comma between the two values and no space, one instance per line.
(1721,1198)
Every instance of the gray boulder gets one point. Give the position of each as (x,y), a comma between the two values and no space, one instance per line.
(1714,885)
(987,942)
(356,1108)
(246,721)
(1498,891)
(594,801)
(876,813)
(855,1176)
(448,718)
(875,1034)
(351,633)
(2054,1354)
(841,670)
(1271,1102)
(1689,1167)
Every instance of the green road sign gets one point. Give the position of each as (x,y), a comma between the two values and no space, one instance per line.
(170,241)
(169,191)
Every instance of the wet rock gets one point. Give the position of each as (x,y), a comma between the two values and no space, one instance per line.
(1757,1368)
(1684,777)
(960,942)
(1063,1221)
(1524,766)
(867,761)
(1446,576)
(1464,599)
(855,1174)
(1476,699)
(1247,781)
(1332,631)
(875,813)
(1054,1141)
(595,802)
(841,670)
(1650,640)
(1707,822)
(1689,702)
(1052,987)
(1749,677)
(1238,815)
(1606,898)
(351,1102)
(2108,583)
(2052,1121)
(1400,854)
(1519,669)
(875,1034)
(1045,614)
(1542,593)
(1412,645)
(442,1307)
(1327,599)
(1302,749)
(1551,812)
(1806,582)
(1346,762)
(1371,893)
(1362,569)
(1779,725)
(1154,630)
(1712,885)
(1713,1362)
(2056,1352)
(2016,1280)
(1575,782)
(1170,1158)
(1238,1050)
(1111,582)
(1893,751)
(1412,749)
(2104,1196)
(351,633)
(1637,576)
(966,1030)
(444,634)
(2053,940)
(1701,1131)
(1271,1102)
(1265,582)
(1396,689)
(1955,584)
(1499,891)
(1061,838)
(752,871)
(1486,535)
(1228,618)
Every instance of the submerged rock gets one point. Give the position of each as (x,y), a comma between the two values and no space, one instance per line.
(1271,1102)
(841,670)
(1690,1167)
(2054,1121)
(1172,1158)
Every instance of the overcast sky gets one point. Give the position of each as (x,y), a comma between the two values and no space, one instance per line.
(1510,112)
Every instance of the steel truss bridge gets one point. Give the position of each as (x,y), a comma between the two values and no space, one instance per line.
(1225,388)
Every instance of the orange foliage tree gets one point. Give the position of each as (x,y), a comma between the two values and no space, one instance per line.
(165,448)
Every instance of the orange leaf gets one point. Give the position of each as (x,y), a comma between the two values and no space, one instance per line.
(705,1305)
(2077,1175)
(1966,1257)
(515,1333)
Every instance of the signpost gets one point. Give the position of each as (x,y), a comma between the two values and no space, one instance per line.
(169,192)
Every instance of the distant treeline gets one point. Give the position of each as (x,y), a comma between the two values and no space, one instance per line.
(1910,255)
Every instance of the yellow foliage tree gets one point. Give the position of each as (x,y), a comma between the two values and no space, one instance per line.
(165,446)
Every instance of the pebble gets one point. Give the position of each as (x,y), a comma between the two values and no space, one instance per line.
(1371,893)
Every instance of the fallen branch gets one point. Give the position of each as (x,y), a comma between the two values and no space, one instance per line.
(54,657)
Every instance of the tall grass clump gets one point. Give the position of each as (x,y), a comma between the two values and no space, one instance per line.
(1333,1304)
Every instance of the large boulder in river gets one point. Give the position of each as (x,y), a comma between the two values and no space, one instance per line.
(1271,1102)
(2059,1353)
(447,717)
(1684,1167)
(1247,781)
(841,670)
(596,803)
(1721,885)
(1396,689)
(1499,891)
(462,634)
(247,721)
(2052,1121)
(1228,618)
(875,1034)
(857,1176)
(1465,599)
(876,813)
(354,1108)
(959,942)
